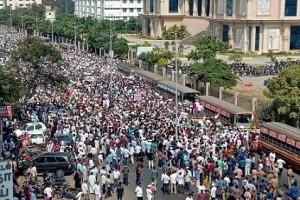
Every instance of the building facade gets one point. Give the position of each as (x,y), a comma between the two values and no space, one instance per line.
(13,4)
(246,25)
(161,14)
(2,4)
(257,25)
(109,9)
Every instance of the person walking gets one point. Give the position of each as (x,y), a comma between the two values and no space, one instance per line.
(139,192)
(120,191)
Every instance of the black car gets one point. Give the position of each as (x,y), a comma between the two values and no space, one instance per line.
(53,162)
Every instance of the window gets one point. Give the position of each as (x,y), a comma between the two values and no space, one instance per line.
(257,31)
(60,159)
(124,9)
(151,6)
(131,1)
(39,160)
(191,7)
(173,6)
(295,38)
(239,38)
(263,7)
(21,5)
(229,7)
(131,9)
(225,36)
(39,126)
(50,159)
(242,8)
(199,8)
(290,8)
(30,128)
(139,10)
(124,1)
(139,1)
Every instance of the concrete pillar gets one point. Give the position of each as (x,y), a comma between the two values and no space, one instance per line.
(221,90)
(253,30)
(211,8)
(207,87)
(173,76)
(254,103)
(128,55)
(183,77)
(246,38)
(140,64)
(236,98)
(79,45)
(230,36)
(155,69)
(203,8)
(164,72)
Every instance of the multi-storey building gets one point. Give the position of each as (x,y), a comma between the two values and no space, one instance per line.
(247,25)
(13,4)
(108,9)
(160,14)
(2,4)
(258,25)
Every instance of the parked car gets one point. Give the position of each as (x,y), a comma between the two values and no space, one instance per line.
(36,127)
(52,162)
(37,138)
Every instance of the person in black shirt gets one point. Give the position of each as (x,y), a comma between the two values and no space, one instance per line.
(120,191)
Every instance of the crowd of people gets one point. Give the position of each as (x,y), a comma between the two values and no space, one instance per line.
(243,69)
(121,126)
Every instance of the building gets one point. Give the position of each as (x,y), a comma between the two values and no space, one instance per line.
(2,4)
(109,9)
(258,25)
(21,3)
(246,25)
(160,14)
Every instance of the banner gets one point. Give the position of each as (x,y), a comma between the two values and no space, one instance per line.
(6,180)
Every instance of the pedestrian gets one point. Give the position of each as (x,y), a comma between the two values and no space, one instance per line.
(120,191)
(77,179)
(125,175)
(149,192)
(139,192)
(97,191)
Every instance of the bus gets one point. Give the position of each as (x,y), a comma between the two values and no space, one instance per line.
(282,139)
(227,112)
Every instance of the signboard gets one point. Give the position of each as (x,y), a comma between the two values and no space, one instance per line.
(264,130)
(6,180)
(273,134)
(6,111)
(281,137)
(298,145)
(290,141)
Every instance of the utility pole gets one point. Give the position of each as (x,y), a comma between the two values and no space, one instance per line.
(176,84)
(75,39)
(36,24)
(52,32)
(22,21)
(10,18)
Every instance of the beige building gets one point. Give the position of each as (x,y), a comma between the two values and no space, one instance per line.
(258,25)
(160,14)
(247,25)
(13,4)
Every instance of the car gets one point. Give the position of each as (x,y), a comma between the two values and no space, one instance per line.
(37,138)
(65,139)
(54,162)
(36,127)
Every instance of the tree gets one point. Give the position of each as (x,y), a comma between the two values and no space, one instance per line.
(214,71)
(206,48)
(121,48)
(39,65)
(284,92)
(10,86)
(175,32)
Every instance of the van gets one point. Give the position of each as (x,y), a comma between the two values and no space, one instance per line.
(54,162)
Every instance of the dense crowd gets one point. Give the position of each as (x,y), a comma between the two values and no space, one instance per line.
(243,69)
(119,126)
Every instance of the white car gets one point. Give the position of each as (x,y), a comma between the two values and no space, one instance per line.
(37,138)
(34,128)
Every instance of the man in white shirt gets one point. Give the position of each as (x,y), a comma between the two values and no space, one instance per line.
(173,179)
(48,192)
(149,192)
(97,191)
(85,189)
(139,192)
(180,181)
(280,163)
(165,179)
(189,197)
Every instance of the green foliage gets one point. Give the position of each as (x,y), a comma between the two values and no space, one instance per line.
(284,92)
(121,48)
(175,32)
(237,57)
(41,64)
(157,56)
(10,86)
(206,48)
(214,71)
